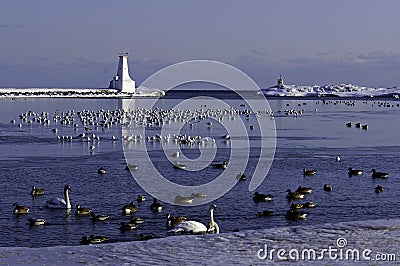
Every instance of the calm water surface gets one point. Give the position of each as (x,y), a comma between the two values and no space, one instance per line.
(32,155)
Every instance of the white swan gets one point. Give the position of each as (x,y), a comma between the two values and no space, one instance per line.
(213,227)
(58,203)
(194,227)
(189,227)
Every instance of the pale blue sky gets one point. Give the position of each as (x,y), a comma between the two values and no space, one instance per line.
(73,43)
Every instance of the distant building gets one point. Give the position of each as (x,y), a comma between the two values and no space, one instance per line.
(122,81)
(280,82)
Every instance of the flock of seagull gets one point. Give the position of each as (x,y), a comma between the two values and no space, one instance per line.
(138,118)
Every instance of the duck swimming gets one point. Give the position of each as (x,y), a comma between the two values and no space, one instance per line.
(309,204)
(129,209)
(261,197)
(127,226)
(198,195)
(295,215)
(222,165)
(98,239)
(378,189)
(241,176)
(304,190)
(129,167)
(172,221)
(37,191)
(99,217)
(265,213)
(309,172)
(35,222)
(82,211)
(101,171)
(296,206)
(327,187)
(354,172)
(92,239)
(183,200)
(156,206)
(376,174)
(140,198)
(19,209)
(146,237)
(294,195)
(136,220)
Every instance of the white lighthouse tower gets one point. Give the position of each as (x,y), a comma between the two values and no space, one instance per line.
(122,81)
(280,83)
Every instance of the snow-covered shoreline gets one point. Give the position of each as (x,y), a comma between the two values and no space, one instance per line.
(342,90)
(349,242)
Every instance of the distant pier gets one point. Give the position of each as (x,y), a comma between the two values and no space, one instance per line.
(121,86)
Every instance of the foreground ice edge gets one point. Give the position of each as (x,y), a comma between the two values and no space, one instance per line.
(379,236)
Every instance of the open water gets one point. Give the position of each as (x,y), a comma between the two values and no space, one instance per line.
(32,155)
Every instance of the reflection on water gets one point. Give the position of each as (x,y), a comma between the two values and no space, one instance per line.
(32,155)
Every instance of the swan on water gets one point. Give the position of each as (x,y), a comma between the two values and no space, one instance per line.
(194,227)
(189,227)
(213,227)
(59,203)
